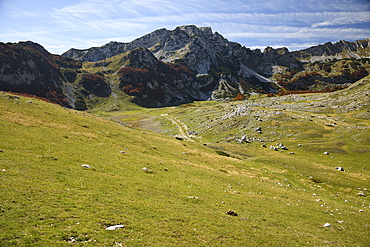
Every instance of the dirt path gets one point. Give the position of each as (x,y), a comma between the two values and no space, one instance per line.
(183,129)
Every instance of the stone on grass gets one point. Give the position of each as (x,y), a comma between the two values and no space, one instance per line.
(284,147)
(115,227)
(327,225)
(86,166)
(231,212)
(243,139)
(361,193)
(326,153)
(339,169)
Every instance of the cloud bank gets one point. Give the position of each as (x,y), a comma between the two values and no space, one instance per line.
(255,24)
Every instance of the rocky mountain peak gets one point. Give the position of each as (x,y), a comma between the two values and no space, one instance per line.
(193,30)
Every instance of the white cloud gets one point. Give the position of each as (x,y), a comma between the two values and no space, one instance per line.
(249,22)
(345,18)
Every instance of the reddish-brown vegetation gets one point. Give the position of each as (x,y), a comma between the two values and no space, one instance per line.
(239,97)
(58,100)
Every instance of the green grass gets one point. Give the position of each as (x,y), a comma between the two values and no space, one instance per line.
(48,198)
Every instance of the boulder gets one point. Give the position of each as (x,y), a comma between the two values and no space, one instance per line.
(115,227)
(340,169)
(231,212)
(361,193)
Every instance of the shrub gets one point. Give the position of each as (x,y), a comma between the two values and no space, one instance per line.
(240,96)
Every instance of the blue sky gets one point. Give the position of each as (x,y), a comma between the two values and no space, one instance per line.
(295,24)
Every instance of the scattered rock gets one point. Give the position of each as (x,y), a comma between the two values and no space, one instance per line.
(361,193)
(115,227)
(3,170)
(122,152)
(243,139)
(86,166)
(148,170)
(29,101)
(299,145)
(193,197)
(291,153)
(326,153)
(273,148)
(13,97)
(327,225)
(340,169)
(231,212)
(259,130)
(284,147)
(361,211)
(179,138)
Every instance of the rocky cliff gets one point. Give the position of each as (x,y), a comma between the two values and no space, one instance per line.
(26,67)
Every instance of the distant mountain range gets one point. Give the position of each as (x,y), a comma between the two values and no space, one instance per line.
(169,67)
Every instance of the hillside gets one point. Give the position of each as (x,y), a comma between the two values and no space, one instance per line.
(169,191)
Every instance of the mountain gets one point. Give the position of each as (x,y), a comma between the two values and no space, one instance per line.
(26,67)
(170,67)
(235,69)
(212,58)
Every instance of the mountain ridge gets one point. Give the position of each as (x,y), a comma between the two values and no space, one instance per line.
(186,64)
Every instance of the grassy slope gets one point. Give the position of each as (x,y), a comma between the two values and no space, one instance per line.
(48,198)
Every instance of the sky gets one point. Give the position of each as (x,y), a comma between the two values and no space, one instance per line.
(295,24)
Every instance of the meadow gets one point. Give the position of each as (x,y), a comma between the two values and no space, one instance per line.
(169,175)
